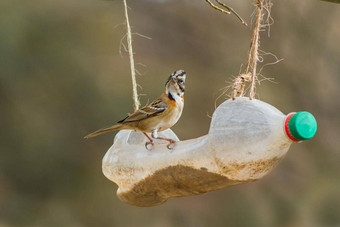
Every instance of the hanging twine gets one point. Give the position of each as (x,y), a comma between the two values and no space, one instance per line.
(132,62)
(255,47)
(250,74)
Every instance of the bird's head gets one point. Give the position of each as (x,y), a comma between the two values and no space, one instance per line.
(175,83)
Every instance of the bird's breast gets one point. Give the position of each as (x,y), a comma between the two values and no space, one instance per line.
(171,116)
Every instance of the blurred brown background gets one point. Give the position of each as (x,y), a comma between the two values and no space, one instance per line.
(61,77)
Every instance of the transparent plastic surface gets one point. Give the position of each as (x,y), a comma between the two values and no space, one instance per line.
(245,142)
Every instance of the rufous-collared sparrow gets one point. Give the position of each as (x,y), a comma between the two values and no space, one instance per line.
(159,115)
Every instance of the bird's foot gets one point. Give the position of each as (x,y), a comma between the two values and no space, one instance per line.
(171,144)
(149,145)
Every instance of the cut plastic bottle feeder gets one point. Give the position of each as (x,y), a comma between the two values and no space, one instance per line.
(246,140)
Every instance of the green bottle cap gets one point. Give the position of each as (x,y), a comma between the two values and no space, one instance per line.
(302,126)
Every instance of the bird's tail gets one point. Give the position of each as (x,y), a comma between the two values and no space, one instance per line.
(104,130)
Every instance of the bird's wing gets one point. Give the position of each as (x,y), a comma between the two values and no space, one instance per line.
(151,110)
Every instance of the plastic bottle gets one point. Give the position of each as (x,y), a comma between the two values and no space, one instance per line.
(247,138)
(245,130)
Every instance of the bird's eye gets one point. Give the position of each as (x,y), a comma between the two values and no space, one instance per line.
(180,81)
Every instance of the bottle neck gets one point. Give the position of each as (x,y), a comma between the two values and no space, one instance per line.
(288,133)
